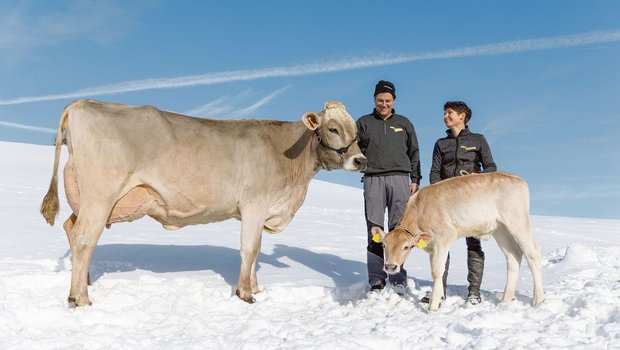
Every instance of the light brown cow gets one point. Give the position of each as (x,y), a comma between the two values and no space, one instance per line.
(126,162)
(482,205)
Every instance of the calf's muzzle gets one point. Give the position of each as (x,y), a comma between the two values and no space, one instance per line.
(390,268)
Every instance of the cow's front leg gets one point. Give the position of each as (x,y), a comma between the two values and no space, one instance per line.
(438,265)
(253,278)
(251,231)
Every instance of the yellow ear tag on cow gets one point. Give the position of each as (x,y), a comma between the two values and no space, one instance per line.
(422,244)
(376,238)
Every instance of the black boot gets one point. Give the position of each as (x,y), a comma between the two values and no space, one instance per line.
(475,268)
(444,278)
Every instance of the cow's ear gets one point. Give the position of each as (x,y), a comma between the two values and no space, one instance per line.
(377,234)
(311,120)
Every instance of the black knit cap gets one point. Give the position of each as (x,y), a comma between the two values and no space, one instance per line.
(385,86)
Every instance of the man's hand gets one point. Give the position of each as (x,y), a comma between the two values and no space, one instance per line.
(413,188)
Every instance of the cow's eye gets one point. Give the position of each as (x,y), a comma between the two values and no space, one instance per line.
(334,131)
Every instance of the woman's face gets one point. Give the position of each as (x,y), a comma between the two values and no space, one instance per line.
(452,118)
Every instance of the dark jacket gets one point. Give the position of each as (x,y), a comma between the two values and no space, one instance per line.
(468,151)
(391,146)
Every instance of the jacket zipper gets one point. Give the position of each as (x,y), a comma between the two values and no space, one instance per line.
(456,157)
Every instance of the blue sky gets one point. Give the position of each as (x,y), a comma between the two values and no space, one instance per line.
(542,77)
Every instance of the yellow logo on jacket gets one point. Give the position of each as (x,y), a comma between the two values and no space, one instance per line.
(469,148)
(396,129)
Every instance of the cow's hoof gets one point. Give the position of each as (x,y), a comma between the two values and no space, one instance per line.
(73,302)
(248,299)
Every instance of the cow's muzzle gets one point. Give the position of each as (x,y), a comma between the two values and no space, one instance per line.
(360,162)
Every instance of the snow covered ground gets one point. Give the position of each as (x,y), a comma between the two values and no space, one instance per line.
(157,289)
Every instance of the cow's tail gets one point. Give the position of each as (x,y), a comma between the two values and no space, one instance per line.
(49,206)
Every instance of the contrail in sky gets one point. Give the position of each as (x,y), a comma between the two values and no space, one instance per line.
(507,47)
(28,127)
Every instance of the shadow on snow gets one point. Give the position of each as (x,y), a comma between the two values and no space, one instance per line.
(224,261)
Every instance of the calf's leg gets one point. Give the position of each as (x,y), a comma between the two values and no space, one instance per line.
(438,264)
(532,255)
(513,255)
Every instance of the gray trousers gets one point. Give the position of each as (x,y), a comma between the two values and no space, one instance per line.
(389,192)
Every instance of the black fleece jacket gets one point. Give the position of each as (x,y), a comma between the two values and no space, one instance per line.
(391,145)
(468,151)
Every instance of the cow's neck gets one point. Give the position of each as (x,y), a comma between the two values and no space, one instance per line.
(301,150)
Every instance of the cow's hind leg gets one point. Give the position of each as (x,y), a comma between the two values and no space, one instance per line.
(68,226)
(252,223)
(83,239)
(513,255)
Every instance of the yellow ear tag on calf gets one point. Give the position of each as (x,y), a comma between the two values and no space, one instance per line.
(422,244)
(376,238)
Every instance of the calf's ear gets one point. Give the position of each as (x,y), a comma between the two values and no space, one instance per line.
(311,120)
(423,239)
(377,234)
(425,236)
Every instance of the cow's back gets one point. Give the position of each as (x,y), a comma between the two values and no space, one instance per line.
(466,201)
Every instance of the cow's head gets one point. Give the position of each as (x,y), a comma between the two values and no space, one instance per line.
(398,244)
(336,133)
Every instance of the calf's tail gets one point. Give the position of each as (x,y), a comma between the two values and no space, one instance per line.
(49,206)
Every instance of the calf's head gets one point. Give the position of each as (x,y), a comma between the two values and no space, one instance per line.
(337,135)
(398,244)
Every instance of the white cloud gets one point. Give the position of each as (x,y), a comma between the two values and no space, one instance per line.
(222,107)
(225,107)
(263,101)
(214,108)
(509,47)
(28,127)
(508,123)
(24,27)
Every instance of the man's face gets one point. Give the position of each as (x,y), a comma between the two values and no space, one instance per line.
(453,118)
(384,103)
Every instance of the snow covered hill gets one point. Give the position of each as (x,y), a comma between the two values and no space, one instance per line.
(157,289)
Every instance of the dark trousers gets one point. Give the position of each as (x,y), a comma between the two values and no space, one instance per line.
(383,193)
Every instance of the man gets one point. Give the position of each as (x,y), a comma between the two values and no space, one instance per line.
(462,152)
(389,142)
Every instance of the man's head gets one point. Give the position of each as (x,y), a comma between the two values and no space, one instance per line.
(385,86)
(459,107)
(385,94)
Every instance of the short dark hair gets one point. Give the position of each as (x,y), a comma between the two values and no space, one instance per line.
(459,107)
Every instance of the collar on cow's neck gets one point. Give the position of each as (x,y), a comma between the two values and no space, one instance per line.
(341,151)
